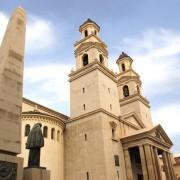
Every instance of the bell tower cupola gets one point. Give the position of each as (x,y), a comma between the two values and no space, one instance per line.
(89,27)
(90,48)
(132,102)
(124,62)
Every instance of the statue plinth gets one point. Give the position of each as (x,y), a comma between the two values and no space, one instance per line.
(36,174)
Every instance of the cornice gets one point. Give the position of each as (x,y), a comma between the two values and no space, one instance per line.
(88,45)
(126,79)
(131,140)
(92,35)
(101,110)
(89,68)
(132,98)
(43,108)
(129,70)
(42,117)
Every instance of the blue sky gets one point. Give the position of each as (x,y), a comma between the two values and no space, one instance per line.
(148,30)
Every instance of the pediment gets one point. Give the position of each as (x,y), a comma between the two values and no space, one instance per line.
(134,119)
(159,133)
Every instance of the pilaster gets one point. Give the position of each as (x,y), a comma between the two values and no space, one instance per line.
(166,165)
(158,167)
(128,165)
(150,164)
(143,163)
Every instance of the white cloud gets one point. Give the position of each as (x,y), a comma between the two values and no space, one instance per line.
(49,79)
(168,117)
(156,56)
(4,21)
(40,33)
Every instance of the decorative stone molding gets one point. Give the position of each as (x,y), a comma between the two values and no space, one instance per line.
(78,42)
(48,110)
(43,118)
(133,98)
(91,67)
(89,45)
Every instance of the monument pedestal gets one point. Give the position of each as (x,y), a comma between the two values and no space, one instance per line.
(36,174)
(11,167)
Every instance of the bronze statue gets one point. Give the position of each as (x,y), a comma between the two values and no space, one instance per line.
(35,142)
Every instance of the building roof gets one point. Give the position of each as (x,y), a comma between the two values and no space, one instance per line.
(46,109)
(89,21)
(122,55)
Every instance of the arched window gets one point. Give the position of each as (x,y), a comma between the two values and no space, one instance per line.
(27,130)
(101,59)
(52,133)
(123,67)
(85,59)
(86,33)
(45,131)
(125,91)
(58,135)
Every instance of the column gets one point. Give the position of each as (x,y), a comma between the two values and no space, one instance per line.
(170,165)
(158,166)
(150,165)
(166,167)
(154,163)
(143,163)
(128,165)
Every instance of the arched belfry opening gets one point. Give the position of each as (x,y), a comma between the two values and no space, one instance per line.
(125,91)
(123,67)
(101,59)
(86,33)
(85,59)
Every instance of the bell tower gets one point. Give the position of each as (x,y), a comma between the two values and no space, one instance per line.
(93,130)
(90,48)
(92,85)
(132,102)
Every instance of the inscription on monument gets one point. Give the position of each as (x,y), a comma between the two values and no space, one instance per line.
(8,170)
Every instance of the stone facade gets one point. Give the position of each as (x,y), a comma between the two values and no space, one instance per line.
(109,134)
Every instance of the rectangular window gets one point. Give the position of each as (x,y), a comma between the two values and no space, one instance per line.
(118,174)
(87,175)
(85,137)
(109,90)
(84,106)
(116,160)
(110,107)
(83,90)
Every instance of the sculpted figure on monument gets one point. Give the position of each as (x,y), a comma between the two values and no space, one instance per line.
(35,142)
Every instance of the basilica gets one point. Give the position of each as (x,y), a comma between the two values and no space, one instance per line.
(109,134)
